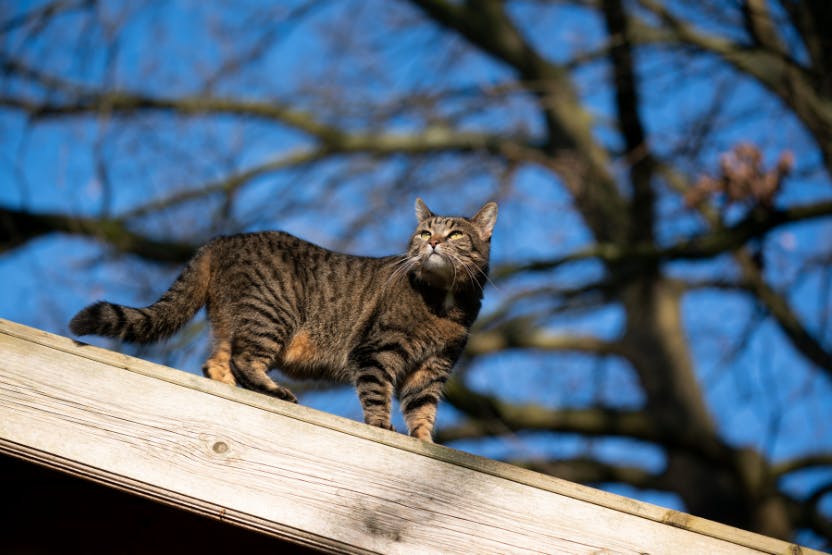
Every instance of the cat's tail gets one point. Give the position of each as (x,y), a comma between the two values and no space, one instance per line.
(161,319)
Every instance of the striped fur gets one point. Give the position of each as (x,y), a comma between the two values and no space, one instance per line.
(390,325)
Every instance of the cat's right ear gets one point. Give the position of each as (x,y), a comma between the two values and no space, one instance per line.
(485,219)
(422,211)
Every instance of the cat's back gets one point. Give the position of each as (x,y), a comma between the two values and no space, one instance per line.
(264,243)
(281,246)
(279,257)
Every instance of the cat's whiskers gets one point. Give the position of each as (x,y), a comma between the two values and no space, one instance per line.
(459,262)
(472,269)
(472,273)
(485,275)
(400,269)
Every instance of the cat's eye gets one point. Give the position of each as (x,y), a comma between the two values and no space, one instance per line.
(425,235)
(455,235)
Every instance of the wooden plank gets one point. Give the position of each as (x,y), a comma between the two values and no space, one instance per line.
(305,475)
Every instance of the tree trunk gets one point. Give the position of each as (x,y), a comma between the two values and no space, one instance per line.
(714,480)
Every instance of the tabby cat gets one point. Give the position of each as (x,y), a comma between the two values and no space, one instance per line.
(391,324)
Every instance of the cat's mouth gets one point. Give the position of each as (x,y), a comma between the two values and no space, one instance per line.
(435,258)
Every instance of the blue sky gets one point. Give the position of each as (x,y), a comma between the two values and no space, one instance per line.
(767,397)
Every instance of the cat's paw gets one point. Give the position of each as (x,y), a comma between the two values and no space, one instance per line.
(284,394)
(383,425)
(423,436)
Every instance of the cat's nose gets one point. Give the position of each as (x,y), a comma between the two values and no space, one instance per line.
(433,242)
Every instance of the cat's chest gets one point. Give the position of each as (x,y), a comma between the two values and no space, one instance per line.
(450,312)
(438,325)
(449,302)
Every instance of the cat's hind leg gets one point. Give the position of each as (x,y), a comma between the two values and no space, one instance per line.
(218,365)
(250,362)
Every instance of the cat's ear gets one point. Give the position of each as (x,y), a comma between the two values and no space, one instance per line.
(422,211)
(485,220)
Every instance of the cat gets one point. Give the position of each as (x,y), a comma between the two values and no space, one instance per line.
(394,324)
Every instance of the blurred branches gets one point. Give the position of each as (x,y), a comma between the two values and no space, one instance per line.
(802,87)
(645,153)
(19,226)
(755,225)
(332,139)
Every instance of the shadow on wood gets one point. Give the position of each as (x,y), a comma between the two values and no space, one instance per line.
(52,512)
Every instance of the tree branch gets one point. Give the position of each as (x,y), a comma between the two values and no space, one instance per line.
(812,19)
(802,463)
(37,17)
(520,334)
(629,122)
(760,221)
(585,470)
(490,416)
(758,23)
(776,71)
(813,515)
(126,103)
(18,227)
(227,185)
(486,24)
(782,312)
(706,245)
(332,140)
(573,152)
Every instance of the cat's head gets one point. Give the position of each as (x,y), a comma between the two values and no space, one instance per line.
(451,252)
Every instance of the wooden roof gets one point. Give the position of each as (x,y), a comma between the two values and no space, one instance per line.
(305,476)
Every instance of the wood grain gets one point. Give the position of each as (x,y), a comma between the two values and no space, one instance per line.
(304,475)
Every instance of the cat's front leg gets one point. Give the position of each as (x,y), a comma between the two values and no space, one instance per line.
(419,395)
(375,391)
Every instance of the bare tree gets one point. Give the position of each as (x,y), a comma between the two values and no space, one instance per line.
(616,112)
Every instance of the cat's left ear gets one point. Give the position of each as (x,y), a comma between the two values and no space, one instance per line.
(485,220)
(422,211)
